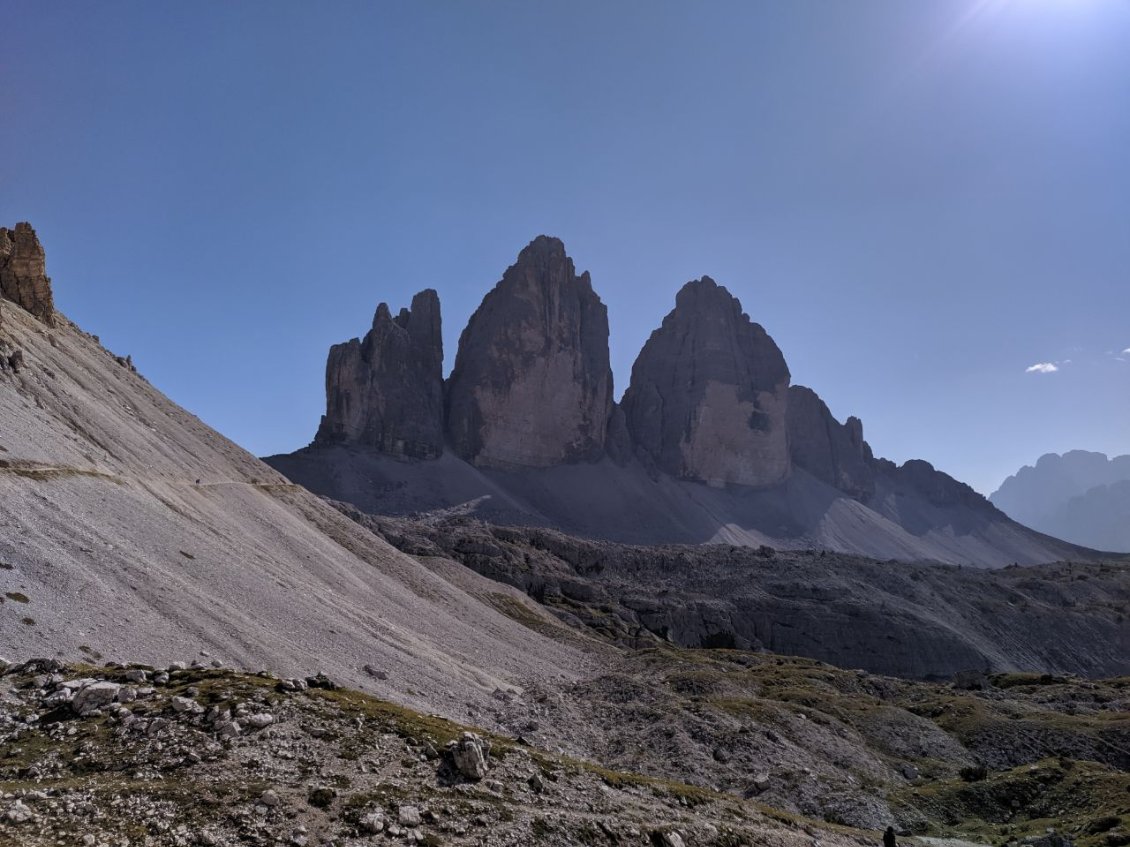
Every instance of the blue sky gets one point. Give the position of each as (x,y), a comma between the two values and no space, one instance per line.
(919,201)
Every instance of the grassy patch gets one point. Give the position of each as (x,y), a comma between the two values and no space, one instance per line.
(518,611)
(1085,798)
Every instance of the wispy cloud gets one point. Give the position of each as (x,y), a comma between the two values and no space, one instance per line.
(1126,352)
(1042,368)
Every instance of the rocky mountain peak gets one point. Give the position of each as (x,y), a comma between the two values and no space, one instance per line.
(532,384)
(546,254)
(384,314)
(23,274)
(709,393)
(386,390)
(703,294)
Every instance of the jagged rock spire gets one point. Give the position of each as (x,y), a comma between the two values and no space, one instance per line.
(23,275)
(386,391)
(532,385)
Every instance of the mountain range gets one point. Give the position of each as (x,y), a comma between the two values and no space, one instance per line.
(1079,496)
(710,443)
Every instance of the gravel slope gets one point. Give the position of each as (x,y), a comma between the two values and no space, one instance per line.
(111,547)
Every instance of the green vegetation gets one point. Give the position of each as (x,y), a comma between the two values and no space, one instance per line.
(1088,800)
(518,611)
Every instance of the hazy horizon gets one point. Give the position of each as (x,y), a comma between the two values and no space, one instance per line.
(925,206)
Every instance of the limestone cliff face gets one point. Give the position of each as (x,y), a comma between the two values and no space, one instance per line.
(532,385)
(834,453)
(386,391)
(23,275)
(709,393)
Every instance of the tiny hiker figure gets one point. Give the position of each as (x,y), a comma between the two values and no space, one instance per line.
(889,839)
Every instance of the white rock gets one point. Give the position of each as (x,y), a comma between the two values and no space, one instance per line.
(408,816)
(58,698)
(260,720)
(229,729)
(94,697)
(469,755)
(372,823)
(19,813)
(187,704)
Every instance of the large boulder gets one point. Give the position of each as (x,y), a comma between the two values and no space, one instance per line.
(386,390)
(709,393)
(831,451)
(23,274)
(532,385)
(93,697)
(470,755)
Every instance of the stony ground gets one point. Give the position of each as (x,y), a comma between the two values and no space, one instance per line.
(130,756)
(694,747)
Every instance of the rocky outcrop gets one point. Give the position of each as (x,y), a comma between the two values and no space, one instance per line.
(23,275)
(709,392)
(469,755)
(915,620)
(832,452)
(386,391)
(532,385)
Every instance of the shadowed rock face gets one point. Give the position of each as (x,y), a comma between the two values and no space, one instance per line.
(832,452)
(386,391)
(23,275)
(709,393)
(532,386)
(909,620)
(934,486)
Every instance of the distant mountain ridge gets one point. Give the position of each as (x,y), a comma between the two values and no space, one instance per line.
(710,443)
(1080,496)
